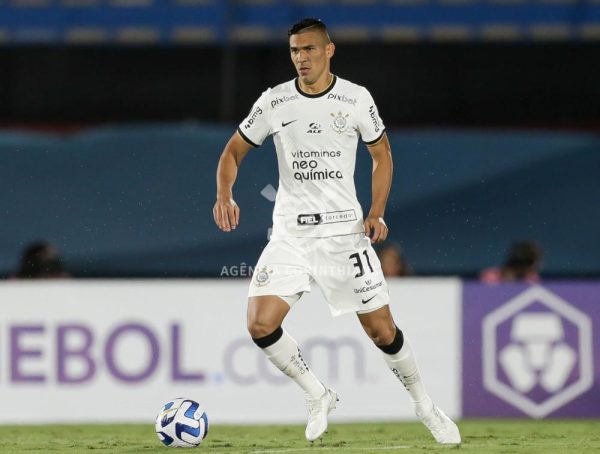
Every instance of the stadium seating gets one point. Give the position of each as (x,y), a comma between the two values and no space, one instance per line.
(180,22)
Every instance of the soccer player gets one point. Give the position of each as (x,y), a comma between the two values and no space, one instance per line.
(319,235)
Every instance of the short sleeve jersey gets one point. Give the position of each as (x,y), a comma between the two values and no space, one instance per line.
(315,138)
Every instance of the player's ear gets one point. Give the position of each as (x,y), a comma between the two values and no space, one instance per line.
(330,50)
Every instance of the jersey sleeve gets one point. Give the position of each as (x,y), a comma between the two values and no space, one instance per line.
(370,124)
(255,128)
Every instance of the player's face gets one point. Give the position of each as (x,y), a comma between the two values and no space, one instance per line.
(310,54)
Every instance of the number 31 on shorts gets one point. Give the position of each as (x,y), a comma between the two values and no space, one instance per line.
(357,262)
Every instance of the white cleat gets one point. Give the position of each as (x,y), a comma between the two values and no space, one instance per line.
(318,409)
(441,427)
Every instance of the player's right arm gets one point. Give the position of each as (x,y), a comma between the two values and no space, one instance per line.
(250,133)
(226,212)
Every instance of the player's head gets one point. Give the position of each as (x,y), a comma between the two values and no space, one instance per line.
(523,257)
(40,260)
(311,49)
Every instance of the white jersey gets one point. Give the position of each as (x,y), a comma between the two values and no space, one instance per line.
(315,137)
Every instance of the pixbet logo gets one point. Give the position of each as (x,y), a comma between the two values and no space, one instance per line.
(283,99)
(342,98)
(537,352)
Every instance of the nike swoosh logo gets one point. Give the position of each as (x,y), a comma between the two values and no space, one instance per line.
(284,124)
(366,301)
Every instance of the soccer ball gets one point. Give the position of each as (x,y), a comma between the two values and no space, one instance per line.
(181,423)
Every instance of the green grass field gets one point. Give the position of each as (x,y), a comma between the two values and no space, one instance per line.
(489,436)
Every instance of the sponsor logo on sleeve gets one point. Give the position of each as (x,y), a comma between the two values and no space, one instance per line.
(374,118)
(252,117)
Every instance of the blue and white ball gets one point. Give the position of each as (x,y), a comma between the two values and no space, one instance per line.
(182,423)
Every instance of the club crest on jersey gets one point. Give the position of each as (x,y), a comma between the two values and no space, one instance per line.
(262,276)
(340,122)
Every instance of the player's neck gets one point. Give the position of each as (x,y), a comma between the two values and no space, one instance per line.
(319,86)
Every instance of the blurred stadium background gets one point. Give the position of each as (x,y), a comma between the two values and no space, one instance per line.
(113,114)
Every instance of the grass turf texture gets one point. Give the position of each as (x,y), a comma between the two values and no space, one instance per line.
(479,436)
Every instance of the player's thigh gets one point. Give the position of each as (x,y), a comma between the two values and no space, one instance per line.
(279,280)
(265,314)
(350,275)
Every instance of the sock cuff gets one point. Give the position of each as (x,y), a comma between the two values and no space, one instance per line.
(396,344)
(269,339)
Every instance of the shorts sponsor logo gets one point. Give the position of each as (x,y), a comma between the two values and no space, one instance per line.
(327,218)
(283,99)
(340,122)
(252,117)
(368,288)
(342,98)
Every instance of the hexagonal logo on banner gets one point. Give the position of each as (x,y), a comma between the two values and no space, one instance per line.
(537,352)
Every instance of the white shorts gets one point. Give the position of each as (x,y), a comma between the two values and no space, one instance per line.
(346,269)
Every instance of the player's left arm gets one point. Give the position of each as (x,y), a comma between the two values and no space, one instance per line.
(383,166)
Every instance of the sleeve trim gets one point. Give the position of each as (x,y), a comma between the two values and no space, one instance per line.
(246,139)
(373,142)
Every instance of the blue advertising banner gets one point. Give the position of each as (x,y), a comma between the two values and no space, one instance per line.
(531,350)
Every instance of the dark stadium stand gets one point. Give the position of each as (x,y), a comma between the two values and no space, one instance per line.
(84,22)
(137,200)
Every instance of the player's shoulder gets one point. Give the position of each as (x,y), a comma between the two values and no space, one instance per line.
(286,91)
(347,91)
(284,87)
(349,86)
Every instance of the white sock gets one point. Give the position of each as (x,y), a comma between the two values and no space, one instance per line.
(404,366)
(285,355)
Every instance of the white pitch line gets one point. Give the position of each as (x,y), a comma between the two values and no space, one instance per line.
(331,448)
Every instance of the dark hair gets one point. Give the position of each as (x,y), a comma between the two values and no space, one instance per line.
(304,24)
(397,249)
(40,260)
(523,256)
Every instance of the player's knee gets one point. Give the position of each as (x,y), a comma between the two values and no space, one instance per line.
(393,344)
(260,327)
(381,333)
(264,341)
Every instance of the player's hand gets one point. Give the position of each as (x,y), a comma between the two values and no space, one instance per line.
(376,229)
(226,213)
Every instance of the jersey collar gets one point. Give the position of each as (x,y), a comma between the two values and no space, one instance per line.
(315,95)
